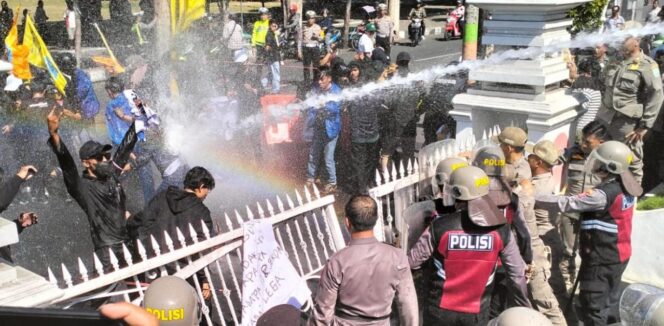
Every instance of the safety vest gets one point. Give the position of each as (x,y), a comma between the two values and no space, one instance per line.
(464,262)
(605,236)
(260,32)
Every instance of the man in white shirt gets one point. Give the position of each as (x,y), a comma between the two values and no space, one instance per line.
(366,44)
(615,22)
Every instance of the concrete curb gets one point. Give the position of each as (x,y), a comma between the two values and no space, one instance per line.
(438,30)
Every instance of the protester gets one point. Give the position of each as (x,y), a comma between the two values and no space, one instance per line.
(97,191)
(273,57)
(8,191)
(384,29)
(311,33)
(606,218)
(41,18)
(653,14)
(366,43)
(632,99)
(588,88)
(70,22)
(360,282)
(322,127)
(616,21)
(232,36)
(462,274)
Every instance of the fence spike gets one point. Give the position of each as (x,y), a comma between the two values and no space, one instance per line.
(192,233)
(416,167)
(228,222)
(378,179)
(261,212)
(307,194)
(409,167)
(290,201)
(316,192)
(270,208)
(155,245)
(181,239)
(51,277)
(402,171)
(280,204)
(98,266)
(250,214)
(81,270)
(239,218)
(169,241)
(206,230)
(386,175)
(298,197)
(66,276)
(114,259)
(127,255)
(394,172)
(484,135)
(141,250)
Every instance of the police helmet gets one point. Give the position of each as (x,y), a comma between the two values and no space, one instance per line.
(114,84)
(67,61)
(173,301)
(491,160)
(310,14)
(263,11)
(615,157)
(520,316)
(445,169)
(469,183)
(382,6)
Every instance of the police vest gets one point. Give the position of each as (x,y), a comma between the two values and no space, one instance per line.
(464,262)
(605,236)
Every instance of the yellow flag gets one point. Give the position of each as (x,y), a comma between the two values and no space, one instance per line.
(184,13)
(39,55)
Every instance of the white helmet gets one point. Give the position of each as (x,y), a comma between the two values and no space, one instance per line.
(469,183)
(310,14)
(263,11)
(615,157)
(518,316)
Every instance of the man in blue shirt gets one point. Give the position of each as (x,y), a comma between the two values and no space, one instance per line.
(322,128)
(118,111)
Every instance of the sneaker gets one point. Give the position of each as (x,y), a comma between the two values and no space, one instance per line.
(330,188)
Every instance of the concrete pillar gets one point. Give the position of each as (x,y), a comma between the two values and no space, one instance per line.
(471,33)
(394,10)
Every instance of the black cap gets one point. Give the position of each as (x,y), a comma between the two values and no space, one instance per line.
(403,56)
(92,148)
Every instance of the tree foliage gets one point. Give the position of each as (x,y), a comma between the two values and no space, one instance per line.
(587,17)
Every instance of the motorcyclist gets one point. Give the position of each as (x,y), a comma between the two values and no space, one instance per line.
(293,27)
(460,12)
(421,13)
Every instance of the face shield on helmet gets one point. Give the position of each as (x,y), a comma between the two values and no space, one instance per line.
(441,178)
(614,158)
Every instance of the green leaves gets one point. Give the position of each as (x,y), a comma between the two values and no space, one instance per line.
(587,17)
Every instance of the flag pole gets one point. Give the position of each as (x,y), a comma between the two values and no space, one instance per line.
(108,48)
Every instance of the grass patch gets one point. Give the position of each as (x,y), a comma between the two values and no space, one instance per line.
(651,203)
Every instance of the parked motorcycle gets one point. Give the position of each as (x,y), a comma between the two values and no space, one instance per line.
(415,31)
(288,44)
(452,29)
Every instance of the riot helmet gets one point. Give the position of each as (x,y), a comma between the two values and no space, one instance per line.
(471,185)
(615,158)
(173,301)
(440,180)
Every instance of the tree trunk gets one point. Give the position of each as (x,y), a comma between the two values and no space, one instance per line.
(347,24)
(393,7)
(284,9)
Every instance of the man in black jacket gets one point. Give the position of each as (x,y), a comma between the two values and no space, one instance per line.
(98,191)
(177,208)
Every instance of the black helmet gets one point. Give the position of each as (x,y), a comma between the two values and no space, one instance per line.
(403,56)
(37,86)
(67,61)
(114,84)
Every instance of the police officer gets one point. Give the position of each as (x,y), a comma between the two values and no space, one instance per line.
(606,219)
(542,158)
(512,142)
(173,301)
(462,250)
(632,98)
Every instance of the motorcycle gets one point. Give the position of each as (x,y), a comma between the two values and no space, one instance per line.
(415,31)
(452,29)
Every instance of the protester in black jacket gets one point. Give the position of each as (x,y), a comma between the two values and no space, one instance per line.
(176,208)
(8,191)
(98,191)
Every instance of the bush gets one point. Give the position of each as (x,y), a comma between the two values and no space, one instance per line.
(587,17)
(650,203)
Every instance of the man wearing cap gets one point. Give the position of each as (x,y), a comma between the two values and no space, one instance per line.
(464,248)
(293,27)
(258,37)
(97,191)
(366,43)
(310,52)
(543,157)
(512,141)
(632,98)
(360,282)
(384,29)
(606,225)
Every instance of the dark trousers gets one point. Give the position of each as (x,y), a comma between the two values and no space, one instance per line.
(105,257)
(384,42)
(434,315)
(600,293)
(365,158)
(310,59)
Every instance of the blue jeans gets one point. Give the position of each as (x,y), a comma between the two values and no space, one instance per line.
(322,146)
(275,71)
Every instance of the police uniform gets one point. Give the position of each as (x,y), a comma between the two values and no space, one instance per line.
(632,99)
